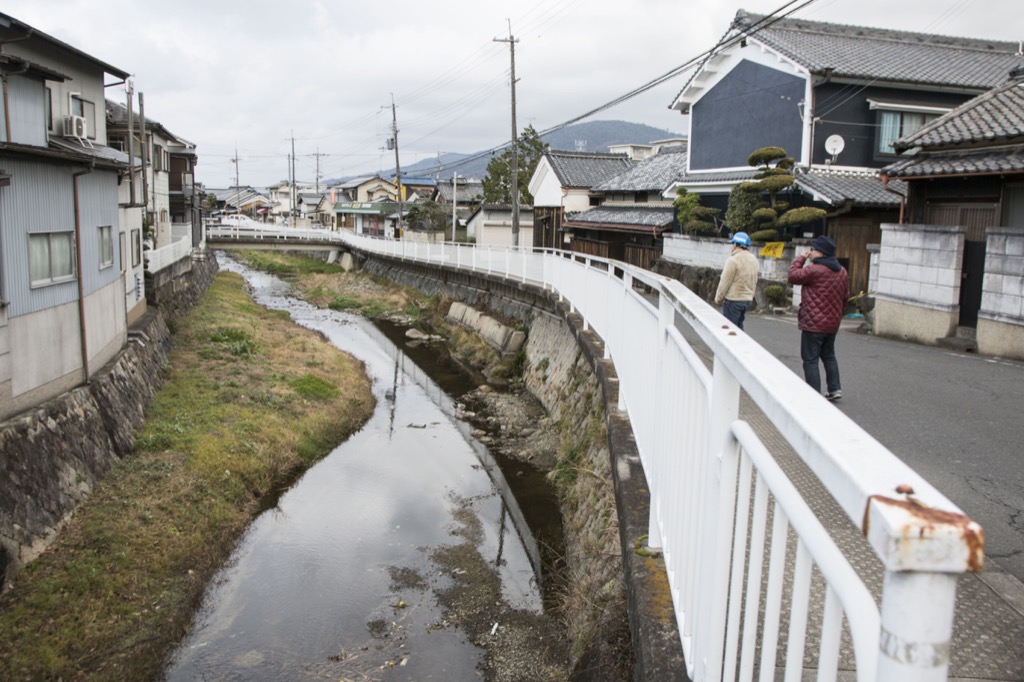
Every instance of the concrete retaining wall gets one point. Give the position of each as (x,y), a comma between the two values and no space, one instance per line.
(707,252)
(502,338)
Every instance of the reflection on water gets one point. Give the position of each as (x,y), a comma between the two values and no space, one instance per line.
(309,590)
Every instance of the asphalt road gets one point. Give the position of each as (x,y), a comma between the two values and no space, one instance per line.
(956,418)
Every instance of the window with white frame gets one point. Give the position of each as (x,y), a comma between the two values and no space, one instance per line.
(896,120)
(106,246)
(51,258)
(136,247)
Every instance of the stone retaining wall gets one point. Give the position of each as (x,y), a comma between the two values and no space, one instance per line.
(54,454)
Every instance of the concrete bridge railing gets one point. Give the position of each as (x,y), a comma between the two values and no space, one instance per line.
(758,583)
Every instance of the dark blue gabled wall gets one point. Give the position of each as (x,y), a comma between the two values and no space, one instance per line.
(753,106)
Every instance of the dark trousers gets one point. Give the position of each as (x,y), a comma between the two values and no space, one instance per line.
(735,311)
(816,346)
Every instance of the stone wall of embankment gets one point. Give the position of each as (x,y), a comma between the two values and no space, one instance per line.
(52,456)
(602,487)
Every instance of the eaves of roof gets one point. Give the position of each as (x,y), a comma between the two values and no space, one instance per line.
(117,118)
(995,117)
(715,178)
(983,161)
(63,150)
(625,219)
(31,68)
(838,189)
(20,28)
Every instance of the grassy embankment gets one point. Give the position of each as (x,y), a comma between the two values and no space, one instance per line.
(249,400)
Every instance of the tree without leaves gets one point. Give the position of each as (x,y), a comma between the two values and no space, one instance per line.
(498,182)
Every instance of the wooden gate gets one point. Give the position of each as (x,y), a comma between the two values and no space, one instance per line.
(852,237)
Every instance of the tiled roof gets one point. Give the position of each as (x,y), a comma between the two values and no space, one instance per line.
(466,190)
(887,55)
(841,188)
(117,116)
(995,160)
(992,118)
(655,173)
(586,169)
(715,178)
(877,54)
(624,218)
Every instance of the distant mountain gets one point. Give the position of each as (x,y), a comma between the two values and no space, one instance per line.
(592,136)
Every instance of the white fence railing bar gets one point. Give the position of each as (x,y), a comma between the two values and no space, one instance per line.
(158,259)
(714,484)
(272,233)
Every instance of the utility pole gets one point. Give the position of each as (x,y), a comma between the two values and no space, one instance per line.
(398,168)
(238,190)
(295,191)
(515,138)
(455,201)
(318,155)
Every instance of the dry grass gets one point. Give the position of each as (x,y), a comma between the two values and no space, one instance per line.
(249,400)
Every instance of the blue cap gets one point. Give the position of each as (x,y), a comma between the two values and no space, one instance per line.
(741,238)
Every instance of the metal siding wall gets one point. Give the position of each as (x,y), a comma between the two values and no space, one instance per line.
(751,107)
(28,111)
(39,199)
(97,195)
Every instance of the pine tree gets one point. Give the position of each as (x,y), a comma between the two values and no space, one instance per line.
(498,182)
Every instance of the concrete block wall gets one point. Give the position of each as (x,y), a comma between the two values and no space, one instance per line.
(1001,317)
(874,255)
(917,292)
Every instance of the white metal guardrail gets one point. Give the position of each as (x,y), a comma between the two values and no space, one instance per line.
(742,546)
(272,233)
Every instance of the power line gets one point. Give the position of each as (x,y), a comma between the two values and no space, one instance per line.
(762,23)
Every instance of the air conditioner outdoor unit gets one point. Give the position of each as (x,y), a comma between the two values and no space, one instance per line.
(74,126)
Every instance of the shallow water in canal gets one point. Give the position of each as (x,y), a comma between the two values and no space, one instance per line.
(310,592)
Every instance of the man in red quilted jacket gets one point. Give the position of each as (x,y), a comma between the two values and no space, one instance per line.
(825,291)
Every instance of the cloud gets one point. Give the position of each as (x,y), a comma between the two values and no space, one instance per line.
(251,75)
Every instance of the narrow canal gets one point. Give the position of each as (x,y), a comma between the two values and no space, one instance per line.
(340,580)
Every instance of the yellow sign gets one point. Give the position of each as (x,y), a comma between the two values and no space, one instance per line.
(773,249)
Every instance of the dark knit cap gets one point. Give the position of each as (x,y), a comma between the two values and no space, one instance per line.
(824,245)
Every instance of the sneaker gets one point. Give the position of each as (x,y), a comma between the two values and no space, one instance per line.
(834,396)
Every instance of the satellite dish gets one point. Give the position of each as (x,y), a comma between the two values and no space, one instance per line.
(835,144)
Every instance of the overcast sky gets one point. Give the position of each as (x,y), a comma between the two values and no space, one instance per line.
(252,75)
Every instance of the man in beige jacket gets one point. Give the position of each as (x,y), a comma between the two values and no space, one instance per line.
(739,278)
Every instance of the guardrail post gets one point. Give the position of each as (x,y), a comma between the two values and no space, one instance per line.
(917,626)
(666,318)
(924,550)
(723,410)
